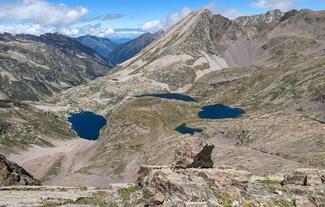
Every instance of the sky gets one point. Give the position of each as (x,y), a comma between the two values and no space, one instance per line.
(124,18)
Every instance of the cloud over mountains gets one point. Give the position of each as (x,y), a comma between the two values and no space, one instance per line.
(42,12)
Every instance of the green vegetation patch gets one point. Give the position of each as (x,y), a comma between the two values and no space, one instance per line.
(125,193)
(54,169)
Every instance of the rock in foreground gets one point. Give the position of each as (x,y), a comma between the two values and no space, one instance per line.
(194,156)
(12,174)
(229,187)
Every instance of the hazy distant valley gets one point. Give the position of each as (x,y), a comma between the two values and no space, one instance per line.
(252,87)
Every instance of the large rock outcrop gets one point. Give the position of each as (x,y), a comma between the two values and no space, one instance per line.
(193,181)
(230,187)
(194,156)
(305,177)
(12,174)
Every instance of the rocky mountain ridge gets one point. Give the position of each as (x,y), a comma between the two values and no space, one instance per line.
(36,67)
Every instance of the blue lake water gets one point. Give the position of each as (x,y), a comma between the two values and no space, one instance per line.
(174,96)
(87,124)
(187,130)
(220,111)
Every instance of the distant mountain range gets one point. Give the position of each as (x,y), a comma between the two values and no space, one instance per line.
(103,46)
(35,67)
(118,53)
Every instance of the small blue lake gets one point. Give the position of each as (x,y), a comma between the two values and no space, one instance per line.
(183,129)
(173,96)
(220,111)
(87,124)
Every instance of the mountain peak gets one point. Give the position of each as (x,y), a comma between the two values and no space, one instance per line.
(204,11)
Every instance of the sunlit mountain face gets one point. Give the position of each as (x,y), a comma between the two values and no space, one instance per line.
(185,103)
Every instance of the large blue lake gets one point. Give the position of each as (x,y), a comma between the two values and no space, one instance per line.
(174,96)
(87,124)
(220,111)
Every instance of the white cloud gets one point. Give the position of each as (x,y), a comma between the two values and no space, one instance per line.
(112,16)
(165,24)
(274,4)
(229,13)
(152,26)
(42,12)
(96,30)
(35,29)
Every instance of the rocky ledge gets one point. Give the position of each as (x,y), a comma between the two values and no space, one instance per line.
(203,185)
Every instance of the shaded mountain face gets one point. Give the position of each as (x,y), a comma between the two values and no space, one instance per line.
(103,46)
(128,50)
(118,53)
(35,67)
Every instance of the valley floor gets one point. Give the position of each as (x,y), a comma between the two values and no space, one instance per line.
(60,165)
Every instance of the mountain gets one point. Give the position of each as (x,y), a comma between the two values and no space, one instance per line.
(271,65)
(121,40)
(118,53)
(103,46)
(36,67)
(128,50)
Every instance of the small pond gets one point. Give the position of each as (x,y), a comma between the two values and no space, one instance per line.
(173,96)
(87,124)
(187,130)
(220,111)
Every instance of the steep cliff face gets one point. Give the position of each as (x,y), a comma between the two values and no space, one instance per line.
(33,68)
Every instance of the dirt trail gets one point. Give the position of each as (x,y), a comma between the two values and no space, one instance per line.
(60,165)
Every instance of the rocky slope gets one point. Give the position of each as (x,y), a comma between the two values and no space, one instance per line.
(36,67)
(271,65)
(202,43)
(12,174)
(23,125)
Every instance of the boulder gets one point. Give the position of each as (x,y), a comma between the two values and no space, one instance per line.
(303,202)
(194,156)
(12,174)
(304,177)
(166,184)
(158,199)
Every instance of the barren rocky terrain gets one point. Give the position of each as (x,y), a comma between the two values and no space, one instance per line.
(270,65)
